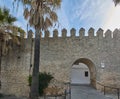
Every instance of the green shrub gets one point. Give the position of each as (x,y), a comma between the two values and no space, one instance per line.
(44,80)
(30,80)
(1,95)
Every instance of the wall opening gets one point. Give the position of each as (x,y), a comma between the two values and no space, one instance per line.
(80,74)
(83,72)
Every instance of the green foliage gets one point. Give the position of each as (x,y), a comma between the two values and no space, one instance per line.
(44,80)
(1,95)
(30,80)
(6,17)
(6,22)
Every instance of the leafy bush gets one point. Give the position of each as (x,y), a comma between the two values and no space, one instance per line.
(30,80)
(44,80)
(1,95)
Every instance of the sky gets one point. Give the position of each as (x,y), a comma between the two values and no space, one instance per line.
(77,14)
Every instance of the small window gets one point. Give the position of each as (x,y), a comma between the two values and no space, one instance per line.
(86,73)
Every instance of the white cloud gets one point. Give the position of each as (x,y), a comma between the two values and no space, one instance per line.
(95,13)
(111,21)
(90,10)
(79,9)
(63,18)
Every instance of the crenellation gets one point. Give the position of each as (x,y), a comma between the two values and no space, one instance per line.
(73,32)
(91,32)
(108,34)
(47,34)
(100,33)
(55,33)
(116,38)
(82,32)
(64,33)
(116,34)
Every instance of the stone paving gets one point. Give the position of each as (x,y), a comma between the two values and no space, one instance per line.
(77,92)
(12,97)
(86,92)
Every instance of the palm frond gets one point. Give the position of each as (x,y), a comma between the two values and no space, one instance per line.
(57,3)
(13,38)
(31,12)
(26,13)
(22,32)
(43,21)
(53,16)
(5,11)
(41,12)
(36,18)
(1,18)
(31,21)
(116,2)
(48,23)
(11,19)
(6,17)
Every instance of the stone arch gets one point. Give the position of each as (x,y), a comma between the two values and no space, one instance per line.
(91,67)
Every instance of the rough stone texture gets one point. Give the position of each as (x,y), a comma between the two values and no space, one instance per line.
(57,56)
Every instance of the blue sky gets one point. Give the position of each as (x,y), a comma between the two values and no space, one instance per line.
(90,13)
(79,13)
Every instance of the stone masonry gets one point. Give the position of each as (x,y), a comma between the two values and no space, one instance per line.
(57,56)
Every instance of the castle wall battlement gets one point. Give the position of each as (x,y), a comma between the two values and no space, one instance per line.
(59,53)
(91,33)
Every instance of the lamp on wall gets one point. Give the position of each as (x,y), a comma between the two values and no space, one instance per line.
(102,65)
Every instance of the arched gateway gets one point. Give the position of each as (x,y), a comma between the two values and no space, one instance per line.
(83,72)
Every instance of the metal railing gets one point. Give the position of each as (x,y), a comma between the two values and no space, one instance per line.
(111,88)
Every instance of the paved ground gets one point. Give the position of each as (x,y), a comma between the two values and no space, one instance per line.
(78,92)
(86,92)
(12,97)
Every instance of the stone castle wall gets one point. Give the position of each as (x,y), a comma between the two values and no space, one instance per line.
(58,54)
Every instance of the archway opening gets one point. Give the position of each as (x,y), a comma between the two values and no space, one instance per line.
(83,72)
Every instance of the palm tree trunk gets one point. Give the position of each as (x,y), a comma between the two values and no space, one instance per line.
(0,60)
(34,91)
(1,39)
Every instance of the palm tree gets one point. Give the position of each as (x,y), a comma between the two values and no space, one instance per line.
(116,2)
(7,30)
(41,15)
(5,19)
